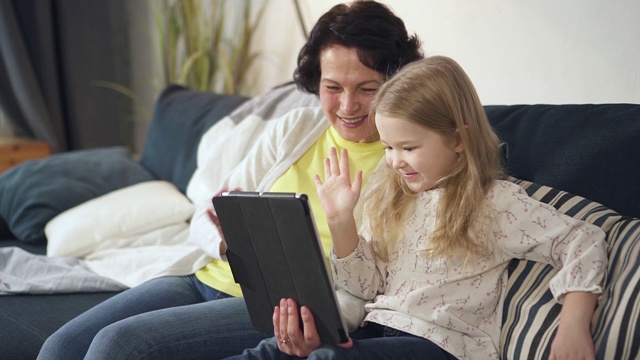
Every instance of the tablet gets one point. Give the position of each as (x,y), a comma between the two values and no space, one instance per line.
(274,252)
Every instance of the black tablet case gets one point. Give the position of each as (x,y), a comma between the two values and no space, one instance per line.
(274,252)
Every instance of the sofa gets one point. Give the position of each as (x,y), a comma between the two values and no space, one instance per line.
(583,159)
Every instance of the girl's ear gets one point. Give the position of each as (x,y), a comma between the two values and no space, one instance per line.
(458,146)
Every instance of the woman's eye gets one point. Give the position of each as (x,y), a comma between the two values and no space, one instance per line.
(370,90)
(333,88)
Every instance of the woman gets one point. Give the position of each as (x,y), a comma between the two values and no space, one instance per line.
(351,51)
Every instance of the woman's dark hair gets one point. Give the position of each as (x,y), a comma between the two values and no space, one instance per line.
(379,36)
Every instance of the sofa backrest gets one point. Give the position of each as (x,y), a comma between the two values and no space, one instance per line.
(588,150)
(181,116)
(591,150)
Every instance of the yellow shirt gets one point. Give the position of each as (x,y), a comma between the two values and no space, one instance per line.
(300,179)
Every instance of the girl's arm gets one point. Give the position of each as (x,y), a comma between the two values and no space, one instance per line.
(576,248)
(338,197)
(573,338)
(354,264)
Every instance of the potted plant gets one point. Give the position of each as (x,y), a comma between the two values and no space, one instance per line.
(206,45)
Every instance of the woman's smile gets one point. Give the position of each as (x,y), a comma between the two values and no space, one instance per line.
(353,122)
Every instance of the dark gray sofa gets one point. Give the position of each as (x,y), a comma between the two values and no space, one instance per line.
(583,159)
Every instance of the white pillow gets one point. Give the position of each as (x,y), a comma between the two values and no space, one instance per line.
(123,213)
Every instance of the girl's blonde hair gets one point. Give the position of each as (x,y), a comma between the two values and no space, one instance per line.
(436,93)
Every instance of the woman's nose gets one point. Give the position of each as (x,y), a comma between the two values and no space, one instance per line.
(349,102)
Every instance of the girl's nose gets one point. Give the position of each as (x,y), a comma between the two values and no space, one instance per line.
(397,162)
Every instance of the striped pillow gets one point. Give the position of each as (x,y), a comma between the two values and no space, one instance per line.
(531,314)
(617,319)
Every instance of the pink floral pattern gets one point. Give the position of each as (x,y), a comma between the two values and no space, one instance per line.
(458,305)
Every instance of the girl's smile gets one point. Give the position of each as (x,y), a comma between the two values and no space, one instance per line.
(420,155)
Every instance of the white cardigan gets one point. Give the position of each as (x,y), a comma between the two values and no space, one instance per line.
(285,140)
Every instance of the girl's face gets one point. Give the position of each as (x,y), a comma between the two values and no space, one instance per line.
(420,155)
(347,88)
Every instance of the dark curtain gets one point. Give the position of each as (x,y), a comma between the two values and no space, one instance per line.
(52,54)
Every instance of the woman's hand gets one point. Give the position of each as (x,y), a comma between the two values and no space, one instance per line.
(216,222)
(286,327)
(338,195)
(214,219)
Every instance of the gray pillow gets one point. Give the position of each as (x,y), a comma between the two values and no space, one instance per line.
(34,192)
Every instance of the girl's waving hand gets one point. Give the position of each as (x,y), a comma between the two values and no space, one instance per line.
(338,197)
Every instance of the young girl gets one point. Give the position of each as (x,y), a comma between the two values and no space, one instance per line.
(437,230)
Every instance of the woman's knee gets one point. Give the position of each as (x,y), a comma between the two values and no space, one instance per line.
(118,336)
(68,342)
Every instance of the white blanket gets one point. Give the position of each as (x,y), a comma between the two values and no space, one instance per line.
(22,272)
(141,232)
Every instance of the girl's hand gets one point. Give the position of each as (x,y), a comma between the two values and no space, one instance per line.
(572,344)
(286,327)
(573,338)
(338,195)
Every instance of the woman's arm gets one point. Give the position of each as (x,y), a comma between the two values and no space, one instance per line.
(250,173)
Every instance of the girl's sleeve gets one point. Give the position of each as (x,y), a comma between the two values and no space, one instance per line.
(359,273)
(532,230)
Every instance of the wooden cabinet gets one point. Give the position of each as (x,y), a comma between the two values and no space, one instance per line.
(14,151)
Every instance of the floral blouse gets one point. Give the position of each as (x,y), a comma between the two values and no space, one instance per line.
(459,306)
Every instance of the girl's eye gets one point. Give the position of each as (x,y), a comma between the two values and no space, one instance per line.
(388,148)
(409,148)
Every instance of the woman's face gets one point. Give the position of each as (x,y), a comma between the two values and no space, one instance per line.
(347,88)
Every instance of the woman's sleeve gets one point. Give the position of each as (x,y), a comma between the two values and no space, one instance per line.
(536,231)
(359,273)
(245,176)
(203,233)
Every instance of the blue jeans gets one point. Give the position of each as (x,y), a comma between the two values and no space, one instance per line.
(164,318)
(370,342)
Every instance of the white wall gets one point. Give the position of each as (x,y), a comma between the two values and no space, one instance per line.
(515,51)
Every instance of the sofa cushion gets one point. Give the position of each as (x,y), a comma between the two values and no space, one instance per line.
(617,318)
(5,231)
(36,191)
(116,219)
(531,314)
(181,116)
(581,149)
